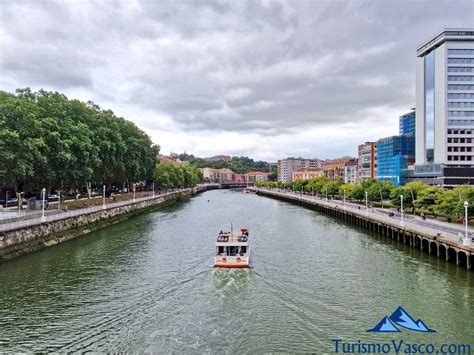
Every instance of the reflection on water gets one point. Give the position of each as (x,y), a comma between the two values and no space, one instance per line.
(147,284)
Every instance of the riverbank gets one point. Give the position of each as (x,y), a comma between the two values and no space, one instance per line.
(23,237)
(435,239)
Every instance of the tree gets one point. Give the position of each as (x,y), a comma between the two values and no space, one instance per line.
(47,140)
(427,198)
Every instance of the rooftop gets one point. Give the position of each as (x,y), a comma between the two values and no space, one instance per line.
(458,34)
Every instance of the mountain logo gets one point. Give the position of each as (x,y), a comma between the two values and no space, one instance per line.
(402,319)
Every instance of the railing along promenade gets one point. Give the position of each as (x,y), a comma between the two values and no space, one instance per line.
(435,237)
(5,227)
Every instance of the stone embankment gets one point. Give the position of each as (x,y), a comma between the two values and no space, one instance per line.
(26,236)
(438,239)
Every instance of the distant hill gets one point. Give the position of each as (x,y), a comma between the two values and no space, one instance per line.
(219,157)
(239,165)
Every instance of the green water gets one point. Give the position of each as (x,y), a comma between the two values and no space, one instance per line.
(148,284)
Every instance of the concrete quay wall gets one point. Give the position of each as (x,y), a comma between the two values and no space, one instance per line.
(23,239)
(429,240)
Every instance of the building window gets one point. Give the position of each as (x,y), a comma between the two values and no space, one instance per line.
(461,104)
(460,96)
(460,122)
(460,87)
(429,106)
(460,69)
(461,113)
(460,78)
(461,51)
(461,60)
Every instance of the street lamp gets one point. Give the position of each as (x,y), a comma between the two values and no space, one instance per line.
(134,192)
(103,196)
(43,198)
(466,205)
(366,201)
(326,194)
(153,189)
(6,199)
(19,201)
(381,196)
(401,209)
(344,198)
(59,199)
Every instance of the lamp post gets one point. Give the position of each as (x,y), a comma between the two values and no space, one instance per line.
(43,193)
(366,201)
(302,190)
(401,209)
(344,201)
(466,219)
(153,186)
(133,192)
(19,201)
(59,199)
(326,194)
(103,196)
(381,196)
(6,199)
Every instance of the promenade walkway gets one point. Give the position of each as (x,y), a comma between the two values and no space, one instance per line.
(4,227)
(441,231)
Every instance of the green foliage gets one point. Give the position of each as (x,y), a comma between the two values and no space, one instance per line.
(170,175)
(47,140)
(239,165)
(415,194)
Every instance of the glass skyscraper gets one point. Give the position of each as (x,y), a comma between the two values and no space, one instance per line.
(445,109)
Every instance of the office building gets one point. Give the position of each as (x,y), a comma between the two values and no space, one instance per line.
(445,109)
(396,153)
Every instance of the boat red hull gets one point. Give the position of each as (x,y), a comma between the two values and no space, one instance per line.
(232,266)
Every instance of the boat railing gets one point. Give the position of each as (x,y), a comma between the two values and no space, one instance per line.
(223,238)
(244,255)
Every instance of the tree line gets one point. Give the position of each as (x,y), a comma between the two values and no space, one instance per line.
(48,140)
(239,165)
(170,175)
(416,195)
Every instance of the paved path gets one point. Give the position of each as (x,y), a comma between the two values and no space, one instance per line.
(35,221)
(427,227)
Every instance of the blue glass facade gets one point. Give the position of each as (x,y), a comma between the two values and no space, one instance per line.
(408,124)
(395,153)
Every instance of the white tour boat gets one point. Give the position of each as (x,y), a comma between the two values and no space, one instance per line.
(233,250)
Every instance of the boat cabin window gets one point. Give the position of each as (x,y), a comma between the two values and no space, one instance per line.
(220,250)
(243,249)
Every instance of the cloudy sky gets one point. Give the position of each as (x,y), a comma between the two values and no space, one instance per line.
(267,79)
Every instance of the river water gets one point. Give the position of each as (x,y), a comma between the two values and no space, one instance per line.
(147,284)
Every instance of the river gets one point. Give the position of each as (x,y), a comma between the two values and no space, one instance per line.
(147,284)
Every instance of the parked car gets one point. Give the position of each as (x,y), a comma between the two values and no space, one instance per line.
(10,203)
(53,198)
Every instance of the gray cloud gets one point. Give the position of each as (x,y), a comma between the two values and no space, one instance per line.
(266,67)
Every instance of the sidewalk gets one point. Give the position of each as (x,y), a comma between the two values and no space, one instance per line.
(439,229)
(4,227)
